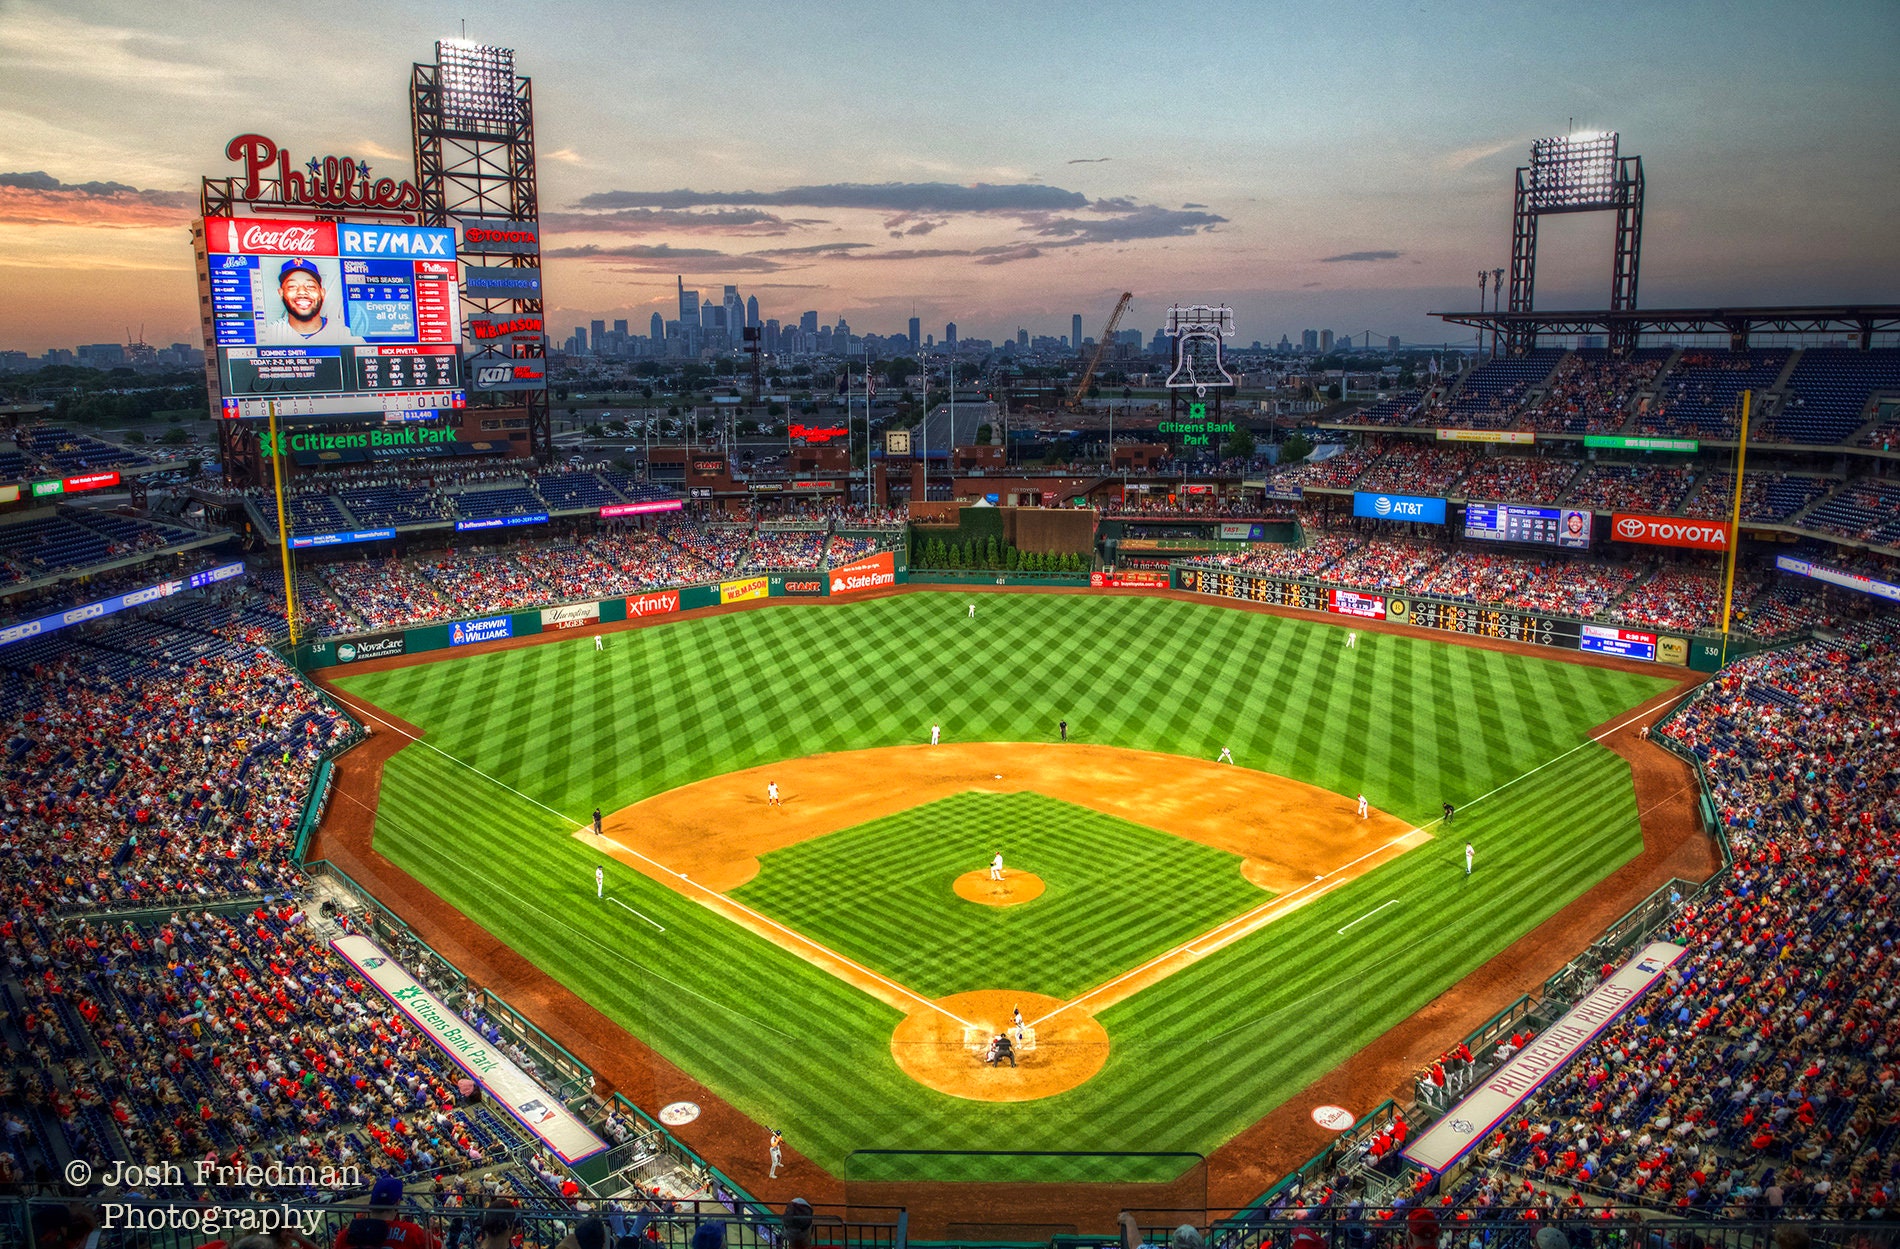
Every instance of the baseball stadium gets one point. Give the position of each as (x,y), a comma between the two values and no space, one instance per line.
(1459,811)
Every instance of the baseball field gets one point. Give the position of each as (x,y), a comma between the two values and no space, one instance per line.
(1190,942)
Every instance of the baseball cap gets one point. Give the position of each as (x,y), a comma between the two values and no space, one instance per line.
(388,1192)
(299,263)
(710,1235)
(1422,1224)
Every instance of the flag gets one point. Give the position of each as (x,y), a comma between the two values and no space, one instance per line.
(844,380)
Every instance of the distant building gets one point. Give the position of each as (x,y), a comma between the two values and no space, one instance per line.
(752,310)
(1075,331)
(656,329)
(599,336)
(1022,339)
(580,340)
(808,322)
(1392,343)
(916,333)
(950,335)
(1286,347)
(1325,341)
(1309,339)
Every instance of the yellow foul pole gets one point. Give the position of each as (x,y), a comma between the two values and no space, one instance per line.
(1735,525)
(283,530)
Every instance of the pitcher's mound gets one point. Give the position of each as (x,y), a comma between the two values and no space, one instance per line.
(946,1051)
(1013,888)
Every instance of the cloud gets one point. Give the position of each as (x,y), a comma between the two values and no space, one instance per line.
(1354,256)
(741,221)
(662,258)
(1091,160)
(899,197)
(1194,205)
(811,249)
(566,155)
(38,198)
(1124,220)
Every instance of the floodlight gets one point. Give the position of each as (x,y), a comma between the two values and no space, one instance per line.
(1574,171)
(478,86)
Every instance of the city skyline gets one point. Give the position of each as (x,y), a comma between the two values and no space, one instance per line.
(1350,176)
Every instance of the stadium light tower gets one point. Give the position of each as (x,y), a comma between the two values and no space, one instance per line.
(1581,172)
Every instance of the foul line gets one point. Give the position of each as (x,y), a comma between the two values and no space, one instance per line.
(363,710)
(1368,915)
(623,906)
(1253,917)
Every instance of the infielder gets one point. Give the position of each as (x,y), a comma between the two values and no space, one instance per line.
(600,883)
(1363,809)
(1226,756)
(600,643)
(1470,854)
(935,733)
(778,1159)
(1017,1013)
(996,866)
(771,794)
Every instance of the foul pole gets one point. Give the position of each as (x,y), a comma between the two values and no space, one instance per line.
(283,530)
(1734,526)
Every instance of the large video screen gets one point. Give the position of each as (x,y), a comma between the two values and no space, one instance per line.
(1549,526)
(326,318)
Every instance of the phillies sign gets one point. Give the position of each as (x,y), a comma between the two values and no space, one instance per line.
(1700,535)
(322,182)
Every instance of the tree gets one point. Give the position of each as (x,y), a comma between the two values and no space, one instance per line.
(1332,392)
(1240,443)
(992,557)
(982,435)
(1296,448)
(1012,559)
(177,437)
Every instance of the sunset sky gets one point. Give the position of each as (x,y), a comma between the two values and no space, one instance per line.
(1333,166)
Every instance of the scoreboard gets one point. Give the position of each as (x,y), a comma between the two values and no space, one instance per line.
(1610,640)
(1543,526)
(315,318)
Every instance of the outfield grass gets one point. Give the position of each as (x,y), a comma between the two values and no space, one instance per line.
(1116,894)
(522,744)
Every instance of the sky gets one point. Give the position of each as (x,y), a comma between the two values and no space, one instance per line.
(998,165)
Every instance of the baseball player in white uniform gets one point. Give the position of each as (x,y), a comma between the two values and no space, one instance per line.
(935,733)
(771,794)
(1352,640)
(973,611)
(996,866)
(1363,809)
(1226,756)
(1017,1013)
(778,1159)
(600,643)
(600,883)
(1470,854)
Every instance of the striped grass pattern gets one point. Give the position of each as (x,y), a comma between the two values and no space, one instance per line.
(1116,894)
(522,744)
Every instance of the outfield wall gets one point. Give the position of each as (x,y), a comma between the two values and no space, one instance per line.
(1701,653)
(881,570)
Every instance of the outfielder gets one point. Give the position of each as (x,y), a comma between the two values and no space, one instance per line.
(600,643)
(973,611)
(1470,854)
(1363,809)
(1352,640)
(996,866)
(600,883)
(771,794)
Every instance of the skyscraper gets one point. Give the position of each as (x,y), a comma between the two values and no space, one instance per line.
(620,328)
(808,322)
(1022,339)
(916,333)
(657,329)
(689,307)
(1309,340)
(950,336)
(580,340)
(1075,332)
(1325,340)
(752,310)
(599,336)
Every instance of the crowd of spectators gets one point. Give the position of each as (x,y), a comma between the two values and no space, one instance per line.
(1388,564)
(1335,472)
(1682,599)
(1766,496)
(1653,488)
(1759,1079)
(1591,393)
(1519,479)
(1418,468)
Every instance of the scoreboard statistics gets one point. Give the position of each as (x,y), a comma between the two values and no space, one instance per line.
(1629,643)
(1544,526)
(327,318)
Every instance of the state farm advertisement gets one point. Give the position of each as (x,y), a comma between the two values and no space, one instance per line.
(1350,603)
(661,603)
(865,574)
(1697,535)
(570,616)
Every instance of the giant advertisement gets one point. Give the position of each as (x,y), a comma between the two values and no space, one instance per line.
(1507,1088)
(325,318)
(299,542)
(1398,507)
(527,1103)
(865,574)
(379,647)
(657,603)
(570,616)
(500,282)
(117,603)
(1697,535)
(1836,576)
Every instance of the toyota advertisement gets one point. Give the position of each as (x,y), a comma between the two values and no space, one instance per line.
(1696,535)
(329,318)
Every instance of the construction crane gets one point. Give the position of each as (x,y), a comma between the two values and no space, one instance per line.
(1101,347)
